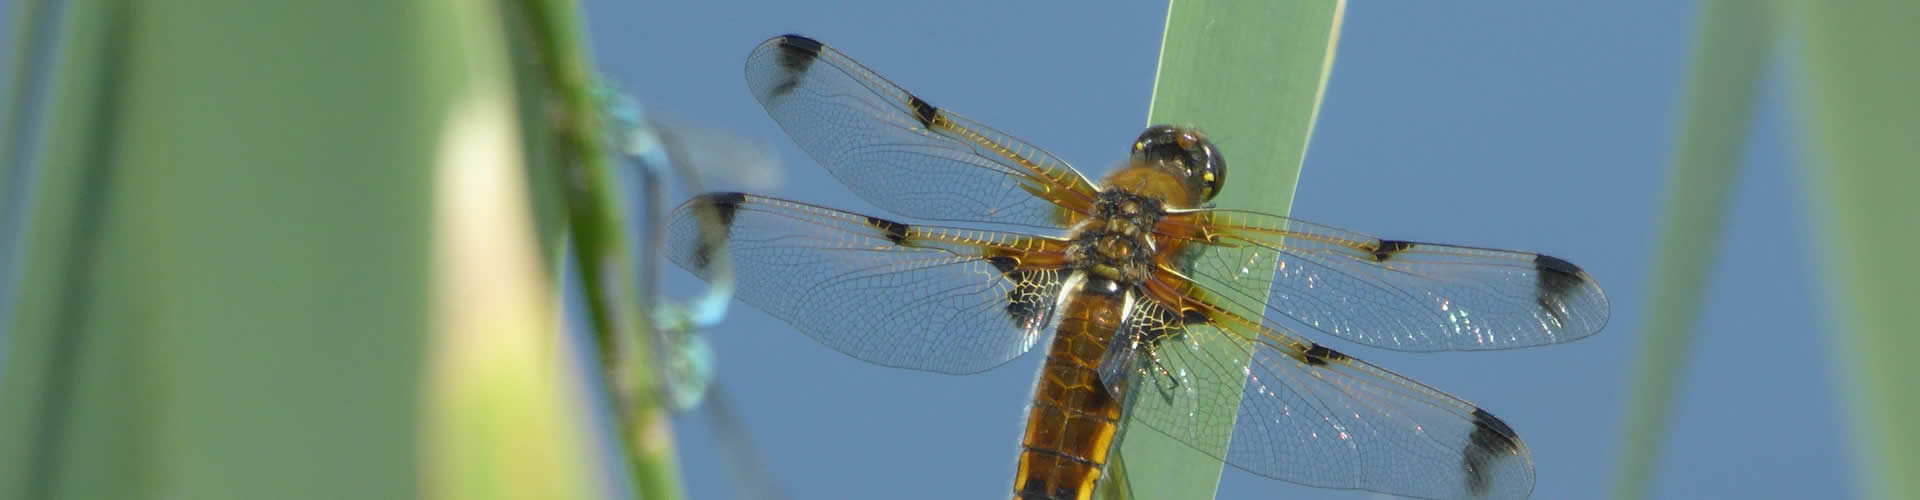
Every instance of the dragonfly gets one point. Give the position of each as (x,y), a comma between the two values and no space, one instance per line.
(1152,302)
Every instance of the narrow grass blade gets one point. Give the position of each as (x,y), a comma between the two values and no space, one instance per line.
(1732,47)
(1249,73)
(620,314)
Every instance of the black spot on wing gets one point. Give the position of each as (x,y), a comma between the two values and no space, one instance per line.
(1387,248)
(922,111)
(1004,263)
(1490,439)
(896,232)
(1193,317)
(724,205)
(797,54)
(1556,278)
(1320,355)
(1031,298)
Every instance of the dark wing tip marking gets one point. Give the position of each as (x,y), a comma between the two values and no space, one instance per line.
(922,111)
(1483,421)
(1321,355)
(801,43)
(1557,278)
(1386,248)
(725,205)
(896,232)
(797,54)
(1490,439)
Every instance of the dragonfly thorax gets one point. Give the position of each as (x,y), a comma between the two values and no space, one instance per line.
(1116,243)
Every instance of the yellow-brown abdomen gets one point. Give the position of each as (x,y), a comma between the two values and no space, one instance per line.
(1073,421)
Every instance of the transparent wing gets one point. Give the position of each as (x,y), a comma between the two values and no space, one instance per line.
(928,298)
(1392,294)
(899,152)
(1306,414)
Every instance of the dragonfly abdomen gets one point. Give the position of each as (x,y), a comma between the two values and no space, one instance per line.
(1073,420)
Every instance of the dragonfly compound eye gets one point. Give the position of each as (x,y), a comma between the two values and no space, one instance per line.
(1186,152)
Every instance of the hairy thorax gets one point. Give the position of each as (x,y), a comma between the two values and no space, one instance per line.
(1116,246)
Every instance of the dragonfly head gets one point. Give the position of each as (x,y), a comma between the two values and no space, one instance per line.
(1187,154)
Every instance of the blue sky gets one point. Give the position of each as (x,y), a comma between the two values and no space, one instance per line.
(1504,124)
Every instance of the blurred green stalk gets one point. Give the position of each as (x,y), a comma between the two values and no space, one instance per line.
(1732,48)
(1250,74)
(621,322)
(1857,82)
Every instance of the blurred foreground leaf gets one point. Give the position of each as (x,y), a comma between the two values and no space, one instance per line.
(245,231)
